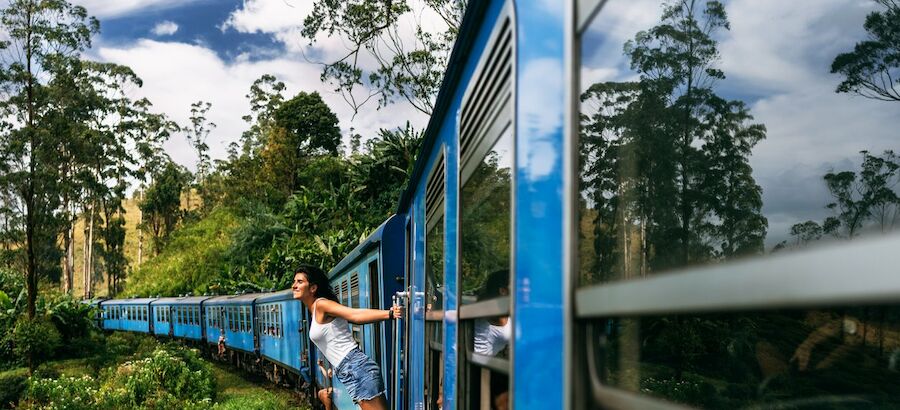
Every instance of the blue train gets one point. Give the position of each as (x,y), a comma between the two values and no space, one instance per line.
(582,227)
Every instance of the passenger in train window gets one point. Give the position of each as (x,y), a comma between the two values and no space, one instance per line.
(330,332)
(492,336)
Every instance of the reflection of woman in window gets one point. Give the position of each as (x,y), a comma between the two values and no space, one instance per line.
(493,335)
(330,332)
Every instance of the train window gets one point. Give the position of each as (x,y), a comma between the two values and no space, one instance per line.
(486,157)
(434,281)
(279,329)
(749,180)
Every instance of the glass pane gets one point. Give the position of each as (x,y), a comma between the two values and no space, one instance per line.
(434,265)
(485,211)
(823,358)
(716,130)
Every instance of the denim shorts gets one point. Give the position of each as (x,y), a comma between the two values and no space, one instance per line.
(361,376)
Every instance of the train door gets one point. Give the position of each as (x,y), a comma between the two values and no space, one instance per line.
(434,284)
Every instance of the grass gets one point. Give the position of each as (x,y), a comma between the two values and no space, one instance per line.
(236,392)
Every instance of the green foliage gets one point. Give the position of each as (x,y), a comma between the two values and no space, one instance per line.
(35,340)
(12,384)
(311,126)
(168,377)
(161,207)
(192,260)
(65,393)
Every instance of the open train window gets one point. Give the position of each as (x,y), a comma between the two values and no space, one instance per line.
(434,282)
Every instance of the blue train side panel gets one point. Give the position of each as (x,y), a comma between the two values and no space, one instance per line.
(282,338)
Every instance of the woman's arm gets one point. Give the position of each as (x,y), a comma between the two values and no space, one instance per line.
(357,316)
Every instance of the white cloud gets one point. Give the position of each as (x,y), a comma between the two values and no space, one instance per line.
(201,75)
(165,28)
(117,8)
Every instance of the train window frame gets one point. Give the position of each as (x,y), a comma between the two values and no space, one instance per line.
(435,214)
(474,370)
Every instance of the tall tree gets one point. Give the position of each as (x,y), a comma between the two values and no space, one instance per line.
(37,30)
(859,198)
(197,133)
(872,69)
(161,206)
(665,161)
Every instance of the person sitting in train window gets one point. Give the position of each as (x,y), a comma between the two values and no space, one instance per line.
(492,335)
(221,343)
(330,332)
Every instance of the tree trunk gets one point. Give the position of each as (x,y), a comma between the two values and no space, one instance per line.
(140,230)
(89,243)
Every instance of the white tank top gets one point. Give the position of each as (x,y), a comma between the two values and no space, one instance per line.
(333,339)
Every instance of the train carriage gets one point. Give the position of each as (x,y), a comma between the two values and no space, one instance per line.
(178,317)
(131,315)
(234,315)
(282,322)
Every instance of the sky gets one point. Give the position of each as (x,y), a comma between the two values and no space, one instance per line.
(776,57)
(213,50)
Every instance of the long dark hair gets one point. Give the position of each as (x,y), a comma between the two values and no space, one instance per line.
(316,276)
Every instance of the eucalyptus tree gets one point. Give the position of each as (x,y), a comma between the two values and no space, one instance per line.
(37,30)
(409,56)
(665,159)
(872,69)
(197,132)
(150,130)
(870,195)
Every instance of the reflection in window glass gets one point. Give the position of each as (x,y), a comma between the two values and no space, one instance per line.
(708,135)
(434,265)
(485,211)
(827,358)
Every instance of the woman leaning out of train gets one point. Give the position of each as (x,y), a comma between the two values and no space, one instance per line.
(330,332)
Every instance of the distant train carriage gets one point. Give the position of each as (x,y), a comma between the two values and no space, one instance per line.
(131,315)
(178,317)
(234,315)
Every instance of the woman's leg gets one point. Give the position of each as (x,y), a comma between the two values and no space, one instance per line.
(325,398)
(377,403)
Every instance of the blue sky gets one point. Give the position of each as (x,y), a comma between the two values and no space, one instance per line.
(197,23)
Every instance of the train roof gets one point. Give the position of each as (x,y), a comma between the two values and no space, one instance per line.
(244,299)
(134,301)
(183,300)
(286,294)
(468,33)
(365,246)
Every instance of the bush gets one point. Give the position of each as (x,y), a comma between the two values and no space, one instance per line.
(65,393)
(164,379)
(75,323)
(37,339)
(12,385)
